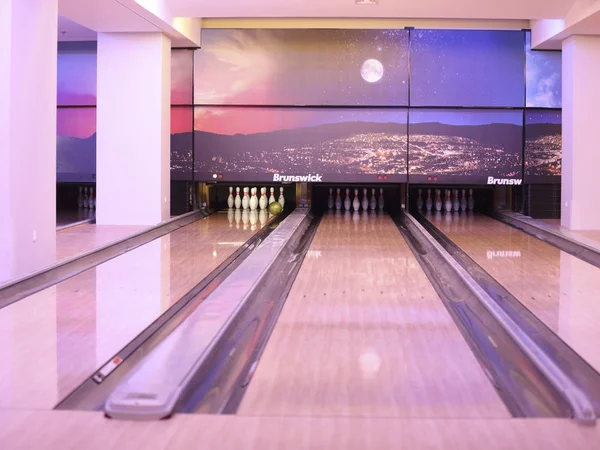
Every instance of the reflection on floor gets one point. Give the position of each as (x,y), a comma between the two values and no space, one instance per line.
(587,237)
(71,216)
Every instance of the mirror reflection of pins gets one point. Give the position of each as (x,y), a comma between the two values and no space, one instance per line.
(262,217)
(347,216)
(238,218)
(355,217)
(253,219)
(230,216)
(448,217)
(245,218)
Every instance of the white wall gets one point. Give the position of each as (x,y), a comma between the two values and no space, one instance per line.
(133,128)
(28,33)
(581,152)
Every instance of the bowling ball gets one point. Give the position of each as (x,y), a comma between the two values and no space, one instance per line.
(275,208)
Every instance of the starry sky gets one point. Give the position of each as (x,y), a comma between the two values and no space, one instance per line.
(544,77)
(300,67)
(466,117)
(76,77)
(467,68)
(182,66)
(249,120)
(76,122)
(554,117)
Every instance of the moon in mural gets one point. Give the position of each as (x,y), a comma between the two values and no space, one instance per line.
(371,70)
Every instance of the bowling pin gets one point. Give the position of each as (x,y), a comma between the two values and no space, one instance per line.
(80,198)
(230,200)
(92,200)
(456,203)
(463,201)
(330,199)
(281,199)
(253,200)
(338,200)
(420,201)
(471,201)
(347,200)
(373,202)
(381,202)
(356,201)
(86,202)
(365,200)
(238,200)
(263,198)
(246,199)
(438,200)
(448,202)
(428,202)
(272,197)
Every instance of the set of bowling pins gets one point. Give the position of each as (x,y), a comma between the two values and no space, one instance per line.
(356,203)
(247,218)
(451,201)
(85,200)
(251,201)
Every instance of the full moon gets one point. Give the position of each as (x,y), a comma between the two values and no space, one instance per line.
(371,70)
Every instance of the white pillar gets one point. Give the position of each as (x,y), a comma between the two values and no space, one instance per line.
(581,152)
(28,35)
(133,128)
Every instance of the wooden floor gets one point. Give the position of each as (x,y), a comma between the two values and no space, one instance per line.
(363,334)
(560,289)
(64,430)
(51,341)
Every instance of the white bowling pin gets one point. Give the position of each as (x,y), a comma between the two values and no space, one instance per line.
(471,201)
(420,201)
(330,199)
(356,201)
(365,200)
(246,199)
(438,200)
(428,202)
(381,201)
(238,200)
(338,200)
(448,201)
(272,197)
(230,200)
(463,201)
(456,202)
(373,202)
(281,199)
(263,198)
(253,200)
(347,200)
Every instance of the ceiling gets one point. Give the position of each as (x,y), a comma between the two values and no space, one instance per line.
(72,31)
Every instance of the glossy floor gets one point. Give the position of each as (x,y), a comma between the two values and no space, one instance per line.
(558,288)
(53,340)
(363,333)
(588,237)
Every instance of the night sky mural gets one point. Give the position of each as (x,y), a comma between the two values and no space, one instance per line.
(302,67)
(466,68)
(339,144)
(543,146)
(544,77)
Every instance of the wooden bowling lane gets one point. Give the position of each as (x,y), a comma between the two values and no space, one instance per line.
(53,340)
(560,289)
(363,333)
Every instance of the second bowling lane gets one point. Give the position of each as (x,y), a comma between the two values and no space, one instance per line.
(53,340)
(363,333)
(560,289)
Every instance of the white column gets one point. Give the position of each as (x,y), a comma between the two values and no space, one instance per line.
(133,123)
(28,36)
(581,152)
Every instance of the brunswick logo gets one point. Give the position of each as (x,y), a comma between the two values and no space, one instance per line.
(491,254)
(492,180)
(298,178)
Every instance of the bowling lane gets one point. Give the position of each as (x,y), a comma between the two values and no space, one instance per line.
(363,333)
(560,289)
(53,340)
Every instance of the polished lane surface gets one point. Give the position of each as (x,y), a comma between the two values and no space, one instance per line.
(560,289)
(53,340)
(363,333)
